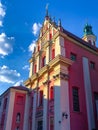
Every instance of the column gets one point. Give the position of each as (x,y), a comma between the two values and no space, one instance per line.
(38,62)
(61,102)
(26,113)
(31,69)
(57,106)
(34,111)
(1,108)
(88,93)
(59,46)
(45,106)
(9,110)
(47,54)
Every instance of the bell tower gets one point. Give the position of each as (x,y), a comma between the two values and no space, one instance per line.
(89,35)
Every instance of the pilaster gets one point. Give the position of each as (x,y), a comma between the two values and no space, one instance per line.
(31,69)
(47,54)
(1,108)
(88,93)
(38,62)
(26,113)
(59,46)
(9,110)
(34,111)
(61,101)
(45,103)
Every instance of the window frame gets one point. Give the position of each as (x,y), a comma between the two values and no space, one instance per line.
(51,93)
(92,65)
(18,117)
(73,56)
(53,53)
(75,99)
(43,61)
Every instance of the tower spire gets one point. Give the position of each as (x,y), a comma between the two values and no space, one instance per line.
(89,35)
(47,9)
(47,14)
(59,23)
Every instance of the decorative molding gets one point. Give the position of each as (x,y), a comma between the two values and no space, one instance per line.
(35,89)
(38,53)
(61,76)
(32,59)
(46,82)
(57,60)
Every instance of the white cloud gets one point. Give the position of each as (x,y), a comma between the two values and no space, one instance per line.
(32,46)
(7,75)
(2,14)
(20,82)
(26,67)
(35,28)
(5,45)
(2,10)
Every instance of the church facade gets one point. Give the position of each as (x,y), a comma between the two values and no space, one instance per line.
(61,92)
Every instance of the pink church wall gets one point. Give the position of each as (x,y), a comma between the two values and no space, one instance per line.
(79,119)
(19,107)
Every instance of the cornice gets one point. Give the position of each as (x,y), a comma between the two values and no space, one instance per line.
(77,42)
(58,60)
(62,76)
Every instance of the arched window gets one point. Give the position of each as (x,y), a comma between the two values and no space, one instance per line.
(18,117)
(38,47)
(35,68)
(50,36)
(89,41)
(43,61)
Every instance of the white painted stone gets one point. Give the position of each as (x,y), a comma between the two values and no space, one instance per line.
(45,103)
(9,111)
(34,111)
(26,113)
(88,93)
(31,69)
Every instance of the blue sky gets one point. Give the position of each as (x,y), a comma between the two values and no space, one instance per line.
(20,22)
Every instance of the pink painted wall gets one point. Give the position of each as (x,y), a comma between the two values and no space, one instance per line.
(19,107)
(79,119)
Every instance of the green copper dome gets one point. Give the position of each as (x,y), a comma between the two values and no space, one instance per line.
(88,30)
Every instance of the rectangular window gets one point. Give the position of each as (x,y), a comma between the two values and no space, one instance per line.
(41,98)
(92,65)
(43,61)
(96,104)
(53,53)
(75,93)
(50,36)
(40,125)
(73,56)
(51,93)
(38,47)
(35,66)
